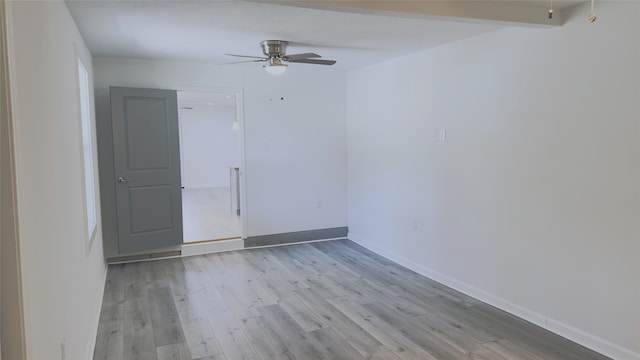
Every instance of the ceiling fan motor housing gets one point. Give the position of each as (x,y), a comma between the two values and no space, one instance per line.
(274,48)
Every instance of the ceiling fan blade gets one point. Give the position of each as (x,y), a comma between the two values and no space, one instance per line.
(314,61)
(240,62)
(247,56)
(300,56)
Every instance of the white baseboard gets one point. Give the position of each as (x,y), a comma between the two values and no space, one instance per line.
(583,338)
(212,247)
(94,333)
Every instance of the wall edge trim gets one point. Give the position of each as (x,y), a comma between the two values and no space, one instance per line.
(8,68)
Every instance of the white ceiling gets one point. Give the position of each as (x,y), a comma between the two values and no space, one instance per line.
(355,33)
(206,30)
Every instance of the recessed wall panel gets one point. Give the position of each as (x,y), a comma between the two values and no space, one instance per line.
(147,139)
(150,209)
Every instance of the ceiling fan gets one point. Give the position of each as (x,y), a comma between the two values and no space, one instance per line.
(276,57)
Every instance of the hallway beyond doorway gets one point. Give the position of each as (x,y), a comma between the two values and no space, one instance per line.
(208,215)
(210,149)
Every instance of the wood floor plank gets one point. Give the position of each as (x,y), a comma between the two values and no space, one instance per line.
(295,339)
(201,340)
(326,287)
(486,354)
(176,276)
(276,285)
(173,352)
(459,316)
(380,353)
(213,264)
(264,339)
(321,262)
(200,283)
(196,271)
(139,346)
(110,341)
(112,312)
(273,275)
(435,346)
(228,330)
(189,310)
(392,339)
(139,343)
(135,281)
(306,318)
(156,274)
(239,296)
(263,291)
(294,266)
(333,346)
(325,300)
(198,333)
(364,291)
(114,285)
(347,328)
(291,277)
(462,340)
(389,271)
(167,328)
(215,357)
(344,286)
(358,266)
(511,351)
(238,264)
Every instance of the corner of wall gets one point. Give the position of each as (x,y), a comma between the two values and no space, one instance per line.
(583,338)
(12,327)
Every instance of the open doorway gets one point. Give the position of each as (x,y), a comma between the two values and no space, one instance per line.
(210,155)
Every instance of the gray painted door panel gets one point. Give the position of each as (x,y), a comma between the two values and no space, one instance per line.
(147,158)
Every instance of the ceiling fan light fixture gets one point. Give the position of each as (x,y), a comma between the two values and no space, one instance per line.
(275,57)
(275,66)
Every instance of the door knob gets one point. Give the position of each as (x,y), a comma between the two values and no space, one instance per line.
(121,180)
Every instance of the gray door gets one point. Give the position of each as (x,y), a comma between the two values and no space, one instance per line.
(147,168)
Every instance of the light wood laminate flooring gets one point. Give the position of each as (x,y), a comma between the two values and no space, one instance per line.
(326,300)
(208,215)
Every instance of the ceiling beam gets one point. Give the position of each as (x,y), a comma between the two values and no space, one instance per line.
(501,12)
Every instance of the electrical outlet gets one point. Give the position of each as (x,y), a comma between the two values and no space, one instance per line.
(319,204)
(414,224)
(439,135)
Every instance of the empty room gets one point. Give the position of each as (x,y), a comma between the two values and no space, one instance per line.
(397,180)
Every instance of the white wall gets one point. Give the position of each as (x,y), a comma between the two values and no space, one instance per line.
(295,148)
(533,202)
(208,145)
(62,282)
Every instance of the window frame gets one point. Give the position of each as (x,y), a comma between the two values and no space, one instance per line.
(89,179)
